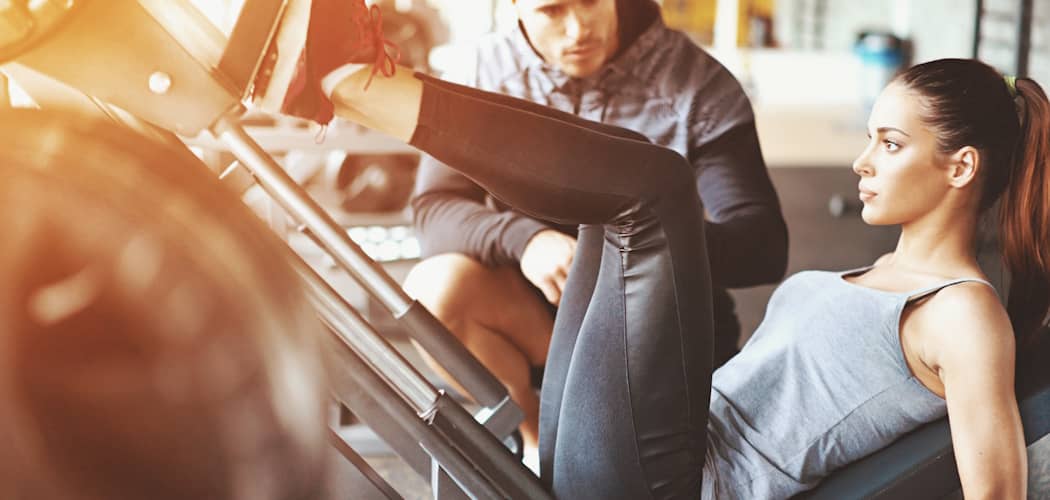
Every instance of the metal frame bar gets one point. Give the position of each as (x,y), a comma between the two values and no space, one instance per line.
(481,474)
(355,385)
(252,33)
(1023,29)
(1024,38)
(366,471)
(977,29)
(354,330)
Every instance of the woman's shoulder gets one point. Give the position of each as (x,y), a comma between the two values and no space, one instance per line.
(964,321)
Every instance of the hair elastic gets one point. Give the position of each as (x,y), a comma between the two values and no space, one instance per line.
(1011,84)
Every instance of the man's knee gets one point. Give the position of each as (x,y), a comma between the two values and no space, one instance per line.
(448,285)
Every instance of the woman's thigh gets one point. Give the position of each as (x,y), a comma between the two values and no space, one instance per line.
(571,312)
(633,420)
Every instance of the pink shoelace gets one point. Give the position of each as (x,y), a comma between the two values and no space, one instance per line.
(384,63)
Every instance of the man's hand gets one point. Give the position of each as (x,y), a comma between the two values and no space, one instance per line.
(546,261)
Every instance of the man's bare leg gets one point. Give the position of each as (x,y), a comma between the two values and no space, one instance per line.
(497,316)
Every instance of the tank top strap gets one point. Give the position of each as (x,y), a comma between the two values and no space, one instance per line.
(855,271)
(925,292)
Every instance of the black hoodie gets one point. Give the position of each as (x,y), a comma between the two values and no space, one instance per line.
(635,16)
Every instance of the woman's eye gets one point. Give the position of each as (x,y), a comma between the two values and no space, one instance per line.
(891,146)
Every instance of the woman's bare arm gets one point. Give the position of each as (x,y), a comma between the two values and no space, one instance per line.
(970,344)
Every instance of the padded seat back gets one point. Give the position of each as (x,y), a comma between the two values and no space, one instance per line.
(921,465)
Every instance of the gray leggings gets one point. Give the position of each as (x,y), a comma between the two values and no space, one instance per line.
(625,396)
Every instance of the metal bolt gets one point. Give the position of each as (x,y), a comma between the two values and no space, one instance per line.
(159,83)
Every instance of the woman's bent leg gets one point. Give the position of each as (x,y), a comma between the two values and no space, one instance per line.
(534,108)
(552,164)
(391,105)
(631,417)
(637,387)
(573,308)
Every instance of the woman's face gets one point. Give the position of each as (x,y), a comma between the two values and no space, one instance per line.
(902,174)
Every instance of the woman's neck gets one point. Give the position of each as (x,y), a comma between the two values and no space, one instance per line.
(937,244)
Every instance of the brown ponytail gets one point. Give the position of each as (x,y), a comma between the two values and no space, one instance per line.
(1025,217)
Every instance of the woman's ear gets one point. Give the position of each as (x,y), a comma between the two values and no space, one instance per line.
(963,166)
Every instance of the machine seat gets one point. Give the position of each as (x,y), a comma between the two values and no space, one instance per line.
(921,465)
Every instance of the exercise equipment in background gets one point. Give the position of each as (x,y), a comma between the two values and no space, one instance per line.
(161,67)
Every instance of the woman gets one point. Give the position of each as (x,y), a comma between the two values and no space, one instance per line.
(843,364)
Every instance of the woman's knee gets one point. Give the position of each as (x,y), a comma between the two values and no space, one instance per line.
(670,171)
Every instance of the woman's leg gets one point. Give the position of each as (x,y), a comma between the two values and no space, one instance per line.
(573,308)
(373,109)
(631,360)
(635,394)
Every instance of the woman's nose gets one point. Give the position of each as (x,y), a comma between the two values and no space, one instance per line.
(860,165)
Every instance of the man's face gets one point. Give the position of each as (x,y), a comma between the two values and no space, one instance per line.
(577,36)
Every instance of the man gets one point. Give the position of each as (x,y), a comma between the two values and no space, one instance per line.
(494,276)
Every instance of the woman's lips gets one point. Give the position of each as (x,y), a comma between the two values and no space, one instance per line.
(866,195)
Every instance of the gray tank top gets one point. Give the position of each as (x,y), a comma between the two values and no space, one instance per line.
(820,384)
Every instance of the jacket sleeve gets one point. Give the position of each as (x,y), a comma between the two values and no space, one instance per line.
(451,213)
(746,234)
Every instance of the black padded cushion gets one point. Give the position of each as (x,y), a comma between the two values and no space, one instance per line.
(921,465)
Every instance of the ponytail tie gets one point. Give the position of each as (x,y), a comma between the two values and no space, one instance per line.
(1011,85)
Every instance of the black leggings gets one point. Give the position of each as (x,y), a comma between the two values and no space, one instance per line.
(625,396)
